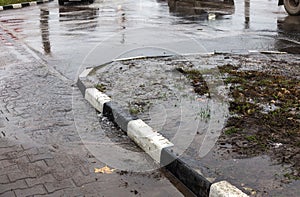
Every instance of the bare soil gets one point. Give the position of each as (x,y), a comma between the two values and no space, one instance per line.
(262,90)
(264,108)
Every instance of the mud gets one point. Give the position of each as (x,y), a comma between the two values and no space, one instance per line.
(264,109)
(262,126)
(158,92)
(264,121)
(265,113)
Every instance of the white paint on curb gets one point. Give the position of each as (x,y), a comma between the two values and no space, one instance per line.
(32,3)
(253,51)
(189,54)
(130,58)
(45,1)
(149,140)
(15,6)
(249,51)
(225,189)
(1,8)
(272,52)
(96,98)
(85,73)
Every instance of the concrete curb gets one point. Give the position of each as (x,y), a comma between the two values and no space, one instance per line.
(154,144)
(24,4)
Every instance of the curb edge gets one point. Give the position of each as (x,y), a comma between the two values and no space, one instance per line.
(23,4)
(163,152)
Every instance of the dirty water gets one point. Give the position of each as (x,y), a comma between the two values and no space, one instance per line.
(162,97)
(164,92)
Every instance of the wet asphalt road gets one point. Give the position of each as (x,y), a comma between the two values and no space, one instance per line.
(72,37)
(75,36)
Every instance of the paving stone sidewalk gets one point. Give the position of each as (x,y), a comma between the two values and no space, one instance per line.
(41,153)
(40,171)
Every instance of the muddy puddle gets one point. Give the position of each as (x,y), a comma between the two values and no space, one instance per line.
(288,34)
(156,91)
(259,146)
(233,117)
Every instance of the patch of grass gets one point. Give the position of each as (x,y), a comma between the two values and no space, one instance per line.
(244,108)
(227,68)
(164,96)
(134,111)
(251,138)
(231,130)
(197,81)
(291,176)
(204,113)
(265,82)
(8,2)
(233,79)
(137,107)
(100,87)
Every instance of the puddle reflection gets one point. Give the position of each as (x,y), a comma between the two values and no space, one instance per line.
(79,18)
(247,13)
(201,9)
(288,34)
(44,26)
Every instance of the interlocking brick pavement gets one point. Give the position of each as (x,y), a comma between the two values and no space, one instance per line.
(41,153)
(27,178)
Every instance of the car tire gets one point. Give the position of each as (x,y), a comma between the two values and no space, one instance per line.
(292,7)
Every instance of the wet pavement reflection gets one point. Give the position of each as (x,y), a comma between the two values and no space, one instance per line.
(247,13)
(216,25)
(201,9)
(289,34)
(78,18)
(44,25)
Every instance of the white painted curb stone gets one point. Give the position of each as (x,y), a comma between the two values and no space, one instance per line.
(85,73)
(17,5)
(225,189)
(32,3)
(1,8)
(149,140)
(96,98)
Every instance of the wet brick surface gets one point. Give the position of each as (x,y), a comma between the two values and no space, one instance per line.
(40,150)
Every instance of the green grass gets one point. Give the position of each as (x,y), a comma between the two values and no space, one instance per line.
(251,138)
(100,87)
(204,113)
(8,2)
(291,176)
(231,130)
(134,111)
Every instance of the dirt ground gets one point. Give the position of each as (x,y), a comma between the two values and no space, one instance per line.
(262,92)
(264,109)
